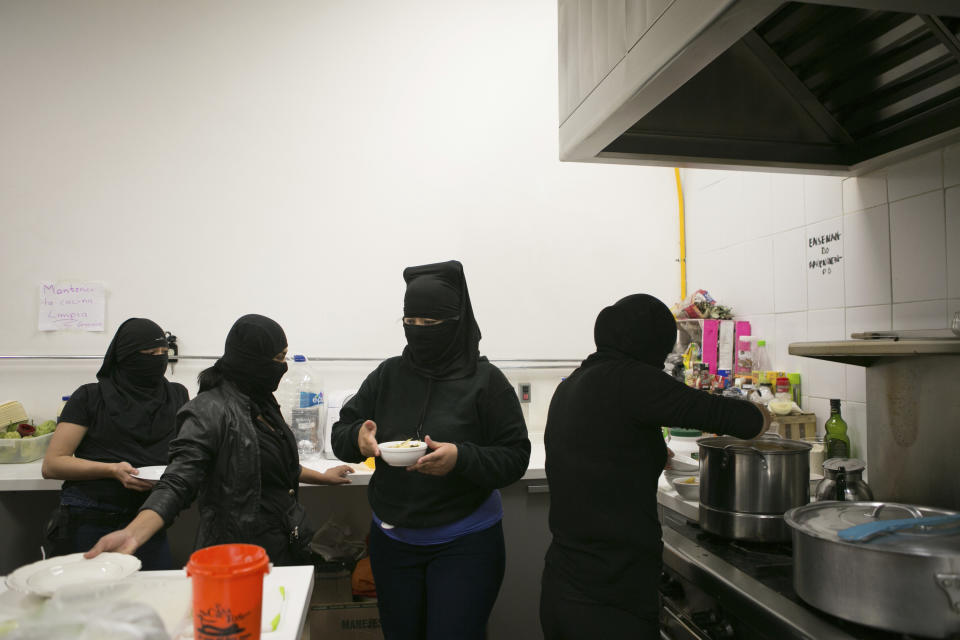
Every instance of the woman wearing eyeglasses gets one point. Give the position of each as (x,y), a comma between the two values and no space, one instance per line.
(436,542)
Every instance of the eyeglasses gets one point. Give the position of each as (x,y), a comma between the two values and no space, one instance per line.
(425,322)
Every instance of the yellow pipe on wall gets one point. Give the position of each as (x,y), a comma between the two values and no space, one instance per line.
(683,238)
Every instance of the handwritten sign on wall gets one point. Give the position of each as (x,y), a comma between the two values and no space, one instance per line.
(68,304)
(825,265)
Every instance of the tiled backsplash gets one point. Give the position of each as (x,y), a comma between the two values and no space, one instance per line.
(763,243)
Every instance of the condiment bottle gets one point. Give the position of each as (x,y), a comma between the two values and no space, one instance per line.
(836,440)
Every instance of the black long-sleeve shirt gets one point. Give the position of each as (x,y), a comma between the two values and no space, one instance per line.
(480,414)
(605,452)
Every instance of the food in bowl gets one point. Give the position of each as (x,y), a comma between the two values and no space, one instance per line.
(402,453)
(688,488)
(781,407)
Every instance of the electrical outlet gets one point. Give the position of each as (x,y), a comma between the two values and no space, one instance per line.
(523,390)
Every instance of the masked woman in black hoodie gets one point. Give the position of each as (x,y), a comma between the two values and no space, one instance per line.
(107,429)
(235,450)
(603,566)
(436,542)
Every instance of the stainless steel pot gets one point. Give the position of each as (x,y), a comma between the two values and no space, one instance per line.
(747,485)
(906,581)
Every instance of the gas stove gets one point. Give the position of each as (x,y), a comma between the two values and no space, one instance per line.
(718,589)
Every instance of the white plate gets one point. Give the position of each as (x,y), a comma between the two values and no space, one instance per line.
(151,474)
(43,578)
(683,464)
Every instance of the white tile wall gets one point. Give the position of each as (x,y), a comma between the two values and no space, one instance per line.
(951,166)
(822,197)
(900,266)
(819,406)
(825,283)
(787,202)
(790,271)
(915,176)
(866,253)
(864,192)
(875,318)
(822,378)
(931,314)
(753,292)
(918,260)
(855,379)
(953,241)
(789,327)
(855,415)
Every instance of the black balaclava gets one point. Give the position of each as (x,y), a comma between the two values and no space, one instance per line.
(639,327)
(248,354)
(132,385)
(449,350)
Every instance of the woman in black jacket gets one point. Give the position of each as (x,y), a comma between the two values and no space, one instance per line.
(107,430)
(603,566)
(235,449)
(436,542)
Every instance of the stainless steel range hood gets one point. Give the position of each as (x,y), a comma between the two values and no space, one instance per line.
(829,86)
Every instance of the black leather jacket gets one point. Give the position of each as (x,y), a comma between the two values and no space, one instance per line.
(216,453)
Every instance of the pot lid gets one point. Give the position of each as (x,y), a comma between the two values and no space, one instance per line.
(825,520)
(850,465)
(763,445)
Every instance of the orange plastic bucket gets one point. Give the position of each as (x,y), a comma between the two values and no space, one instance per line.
(228,591)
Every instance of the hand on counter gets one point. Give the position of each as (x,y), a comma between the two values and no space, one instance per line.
(670,454)
(439,462)
(333,475)
(367,440)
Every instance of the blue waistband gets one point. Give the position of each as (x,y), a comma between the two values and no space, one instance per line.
(486,515)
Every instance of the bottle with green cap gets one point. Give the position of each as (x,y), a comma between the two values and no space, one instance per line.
(836,442)
(761,358)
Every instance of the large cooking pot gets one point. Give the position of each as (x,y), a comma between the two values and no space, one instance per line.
(747,485)
(906,581)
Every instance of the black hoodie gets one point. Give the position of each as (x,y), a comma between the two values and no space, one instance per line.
(605,452)
(443,388)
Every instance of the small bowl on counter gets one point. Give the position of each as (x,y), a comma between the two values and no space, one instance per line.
(400,453)
(688,487)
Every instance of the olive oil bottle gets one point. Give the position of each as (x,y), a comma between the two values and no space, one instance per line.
(836,441)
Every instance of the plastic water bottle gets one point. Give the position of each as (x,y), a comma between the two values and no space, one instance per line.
(302,397)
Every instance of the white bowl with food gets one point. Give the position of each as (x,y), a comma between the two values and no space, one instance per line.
(402,453)
(688,487)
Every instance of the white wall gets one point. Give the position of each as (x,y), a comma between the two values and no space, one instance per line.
(209,159)
(749,245)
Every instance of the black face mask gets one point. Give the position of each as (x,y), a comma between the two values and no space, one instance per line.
(267,378)
(144,369)
(429,344)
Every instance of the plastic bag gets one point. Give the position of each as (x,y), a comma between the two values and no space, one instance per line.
(113,621)
(332,541)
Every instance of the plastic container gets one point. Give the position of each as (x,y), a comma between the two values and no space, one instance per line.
(761,359)
(20,450)
(228,591)
(302,406)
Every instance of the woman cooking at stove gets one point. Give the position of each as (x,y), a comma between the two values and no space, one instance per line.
(436,542)
(234,448)
(602,568)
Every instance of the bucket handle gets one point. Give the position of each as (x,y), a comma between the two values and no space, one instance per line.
(738,448)
(913,511)
(950,583)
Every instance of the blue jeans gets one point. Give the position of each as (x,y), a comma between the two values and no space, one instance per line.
(441,591)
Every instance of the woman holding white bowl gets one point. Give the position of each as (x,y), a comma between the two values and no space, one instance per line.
(436,541)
